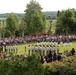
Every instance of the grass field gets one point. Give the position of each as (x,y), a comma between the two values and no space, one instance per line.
(62,48)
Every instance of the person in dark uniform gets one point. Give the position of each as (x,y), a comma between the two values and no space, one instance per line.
(54,56)
(59,57)
(5,50)
(49,59)
(73,51)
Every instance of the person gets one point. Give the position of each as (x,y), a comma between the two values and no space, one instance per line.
(47,50)
(63,56)
(29,48)
(73,51)
(1,48)
(33,49)
(59,57)
(25,47)
(5,50)
(43,50)
(54,56)
(42,60)
(16,48)
(58,49)
(49,57)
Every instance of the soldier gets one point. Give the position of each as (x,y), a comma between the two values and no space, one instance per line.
(13,47)
(25,47)
(43,50)
(54,48)
(58,49)
(9,48)
(47,50)
(29,48)
(1,48)
(16,48)
(36,49)
(5,47)
(33,49)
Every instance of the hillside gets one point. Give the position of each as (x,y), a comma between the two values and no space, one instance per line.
(51,13)
(20,15)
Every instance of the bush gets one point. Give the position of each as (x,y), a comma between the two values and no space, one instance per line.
(32,66)
(25,66)
(65,67)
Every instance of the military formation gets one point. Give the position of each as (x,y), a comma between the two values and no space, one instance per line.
(45,43)
(8,48)
(42,49)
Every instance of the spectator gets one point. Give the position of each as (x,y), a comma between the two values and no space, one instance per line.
(73,51)
(59,57)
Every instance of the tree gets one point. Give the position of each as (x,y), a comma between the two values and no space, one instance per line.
(50,21)
(2,28)
(34,18)
(66,21)
(58,13)
(22,27)
(12,23)
(0,31)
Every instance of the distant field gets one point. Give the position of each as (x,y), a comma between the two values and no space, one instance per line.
(62,48)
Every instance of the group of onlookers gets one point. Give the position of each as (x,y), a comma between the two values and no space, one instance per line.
(57,56)
(39,38)
(47,46)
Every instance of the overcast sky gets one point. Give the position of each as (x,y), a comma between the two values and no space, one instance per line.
(18,6)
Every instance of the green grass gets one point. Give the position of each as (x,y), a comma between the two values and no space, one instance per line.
(21,49)
(62,48)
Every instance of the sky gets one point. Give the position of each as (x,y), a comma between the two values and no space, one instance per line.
(18,6)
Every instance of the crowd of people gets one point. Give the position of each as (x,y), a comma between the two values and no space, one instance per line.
(39,38)
(49,53)
(47,46)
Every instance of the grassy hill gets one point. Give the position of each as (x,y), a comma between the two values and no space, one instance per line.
(20,15)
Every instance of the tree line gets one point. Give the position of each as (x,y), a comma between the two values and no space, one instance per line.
(34,21)
(20,15)
(66,21)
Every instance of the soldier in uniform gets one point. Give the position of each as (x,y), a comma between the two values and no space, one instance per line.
(29,48)
(16,48)
(47,50)
(33,49)
(58,49)
(25,47)
(43,50)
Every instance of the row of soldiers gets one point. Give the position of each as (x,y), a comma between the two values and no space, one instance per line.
(42,49)
(9,48)
(55,43)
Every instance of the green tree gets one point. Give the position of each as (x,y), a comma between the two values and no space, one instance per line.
(0,31)
(12,23)
(58,13)
(2,28)
(50,21)
(66,21)
(34,18)
(22,27)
